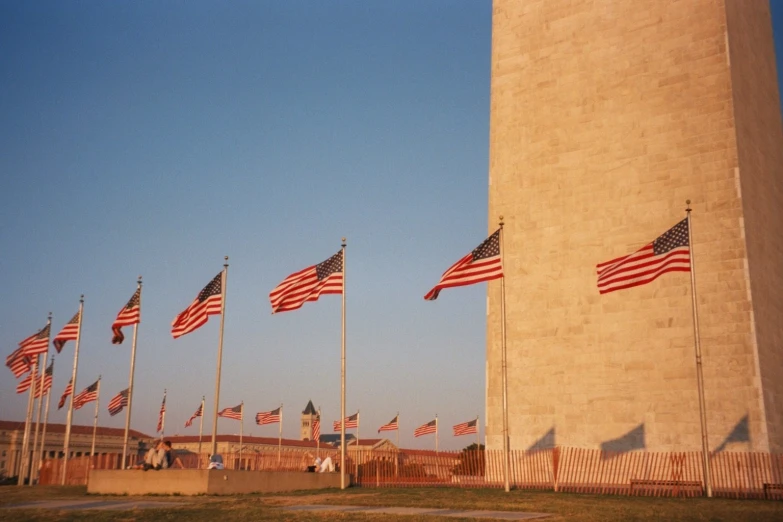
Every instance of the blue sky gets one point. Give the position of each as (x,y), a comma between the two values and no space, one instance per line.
(154,139)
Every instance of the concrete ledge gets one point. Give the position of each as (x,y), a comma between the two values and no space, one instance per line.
(205,482)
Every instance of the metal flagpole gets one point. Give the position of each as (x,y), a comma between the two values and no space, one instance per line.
(67,441)
(40,404)
(478,433)
(200,431)
(318,439)
(342,383)
(130,382)
(504,365)
(241,429)
(398,429)
(280,434)
(223,282)
(163,415)
(436,433)
(42,451)
(357,428)
(95,422)
(24,461)
(705,451)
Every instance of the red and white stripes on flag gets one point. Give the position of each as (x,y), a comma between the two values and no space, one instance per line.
(392,425)
(308,284)
(24,385)
(466,428)
(317,429)
(268,417)
(66,393)
(208,302)
(89,394)
(162,414)
(351,421)
(118,402)
(668,253)
(70,332)
(232,413)
(47,385)
(36,344)
(18,362)
(199,413)
(129,315)
(426,429)
(482,264)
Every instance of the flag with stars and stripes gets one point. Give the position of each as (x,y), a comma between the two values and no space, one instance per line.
(466,428)
(130,314)
(308,285)
(392,425)
(482,264)
(350,422)
(67,393)
(118,402)
(208,302)
(37,343)
(47,385)
(18,362)
(89,394)
(232,413)
(24,385)
(268,417)
(427,428)
(199,413)
(70,332)
(668,253)
(162,414)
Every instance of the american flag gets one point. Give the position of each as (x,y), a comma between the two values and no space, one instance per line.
(308,284)
(70,332)
(232,413)
(350,422)
(466,428)
(18,362)
(37,343)
(118,402)
(317,428)
(425,429)
(268,417)
(162,414)
(68,391)
(199,413)
(24,385)
(89,394)
(668,253)
(392,425)
(47,385)
(130,314)
(208,302)
(482,264)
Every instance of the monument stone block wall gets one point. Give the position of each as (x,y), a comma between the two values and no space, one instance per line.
(605,117)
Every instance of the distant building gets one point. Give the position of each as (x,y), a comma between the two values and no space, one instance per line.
(309,415)
(107,440)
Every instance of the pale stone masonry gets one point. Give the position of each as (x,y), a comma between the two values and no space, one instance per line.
(606,115)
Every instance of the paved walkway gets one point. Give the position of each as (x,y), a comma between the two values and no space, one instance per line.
(122,505)
(454,513)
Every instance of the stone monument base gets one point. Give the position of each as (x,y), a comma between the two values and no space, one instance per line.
(205,482)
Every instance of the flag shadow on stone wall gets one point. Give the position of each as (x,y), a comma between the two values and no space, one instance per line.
(740,433)
(544,443)
(633,440)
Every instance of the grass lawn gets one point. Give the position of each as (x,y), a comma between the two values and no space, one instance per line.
(563,507)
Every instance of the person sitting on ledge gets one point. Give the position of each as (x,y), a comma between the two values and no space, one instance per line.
(153,459)
(326,465)
(171,460)
(215,462)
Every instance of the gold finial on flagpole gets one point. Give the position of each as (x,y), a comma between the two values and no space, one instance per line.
(688,202)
